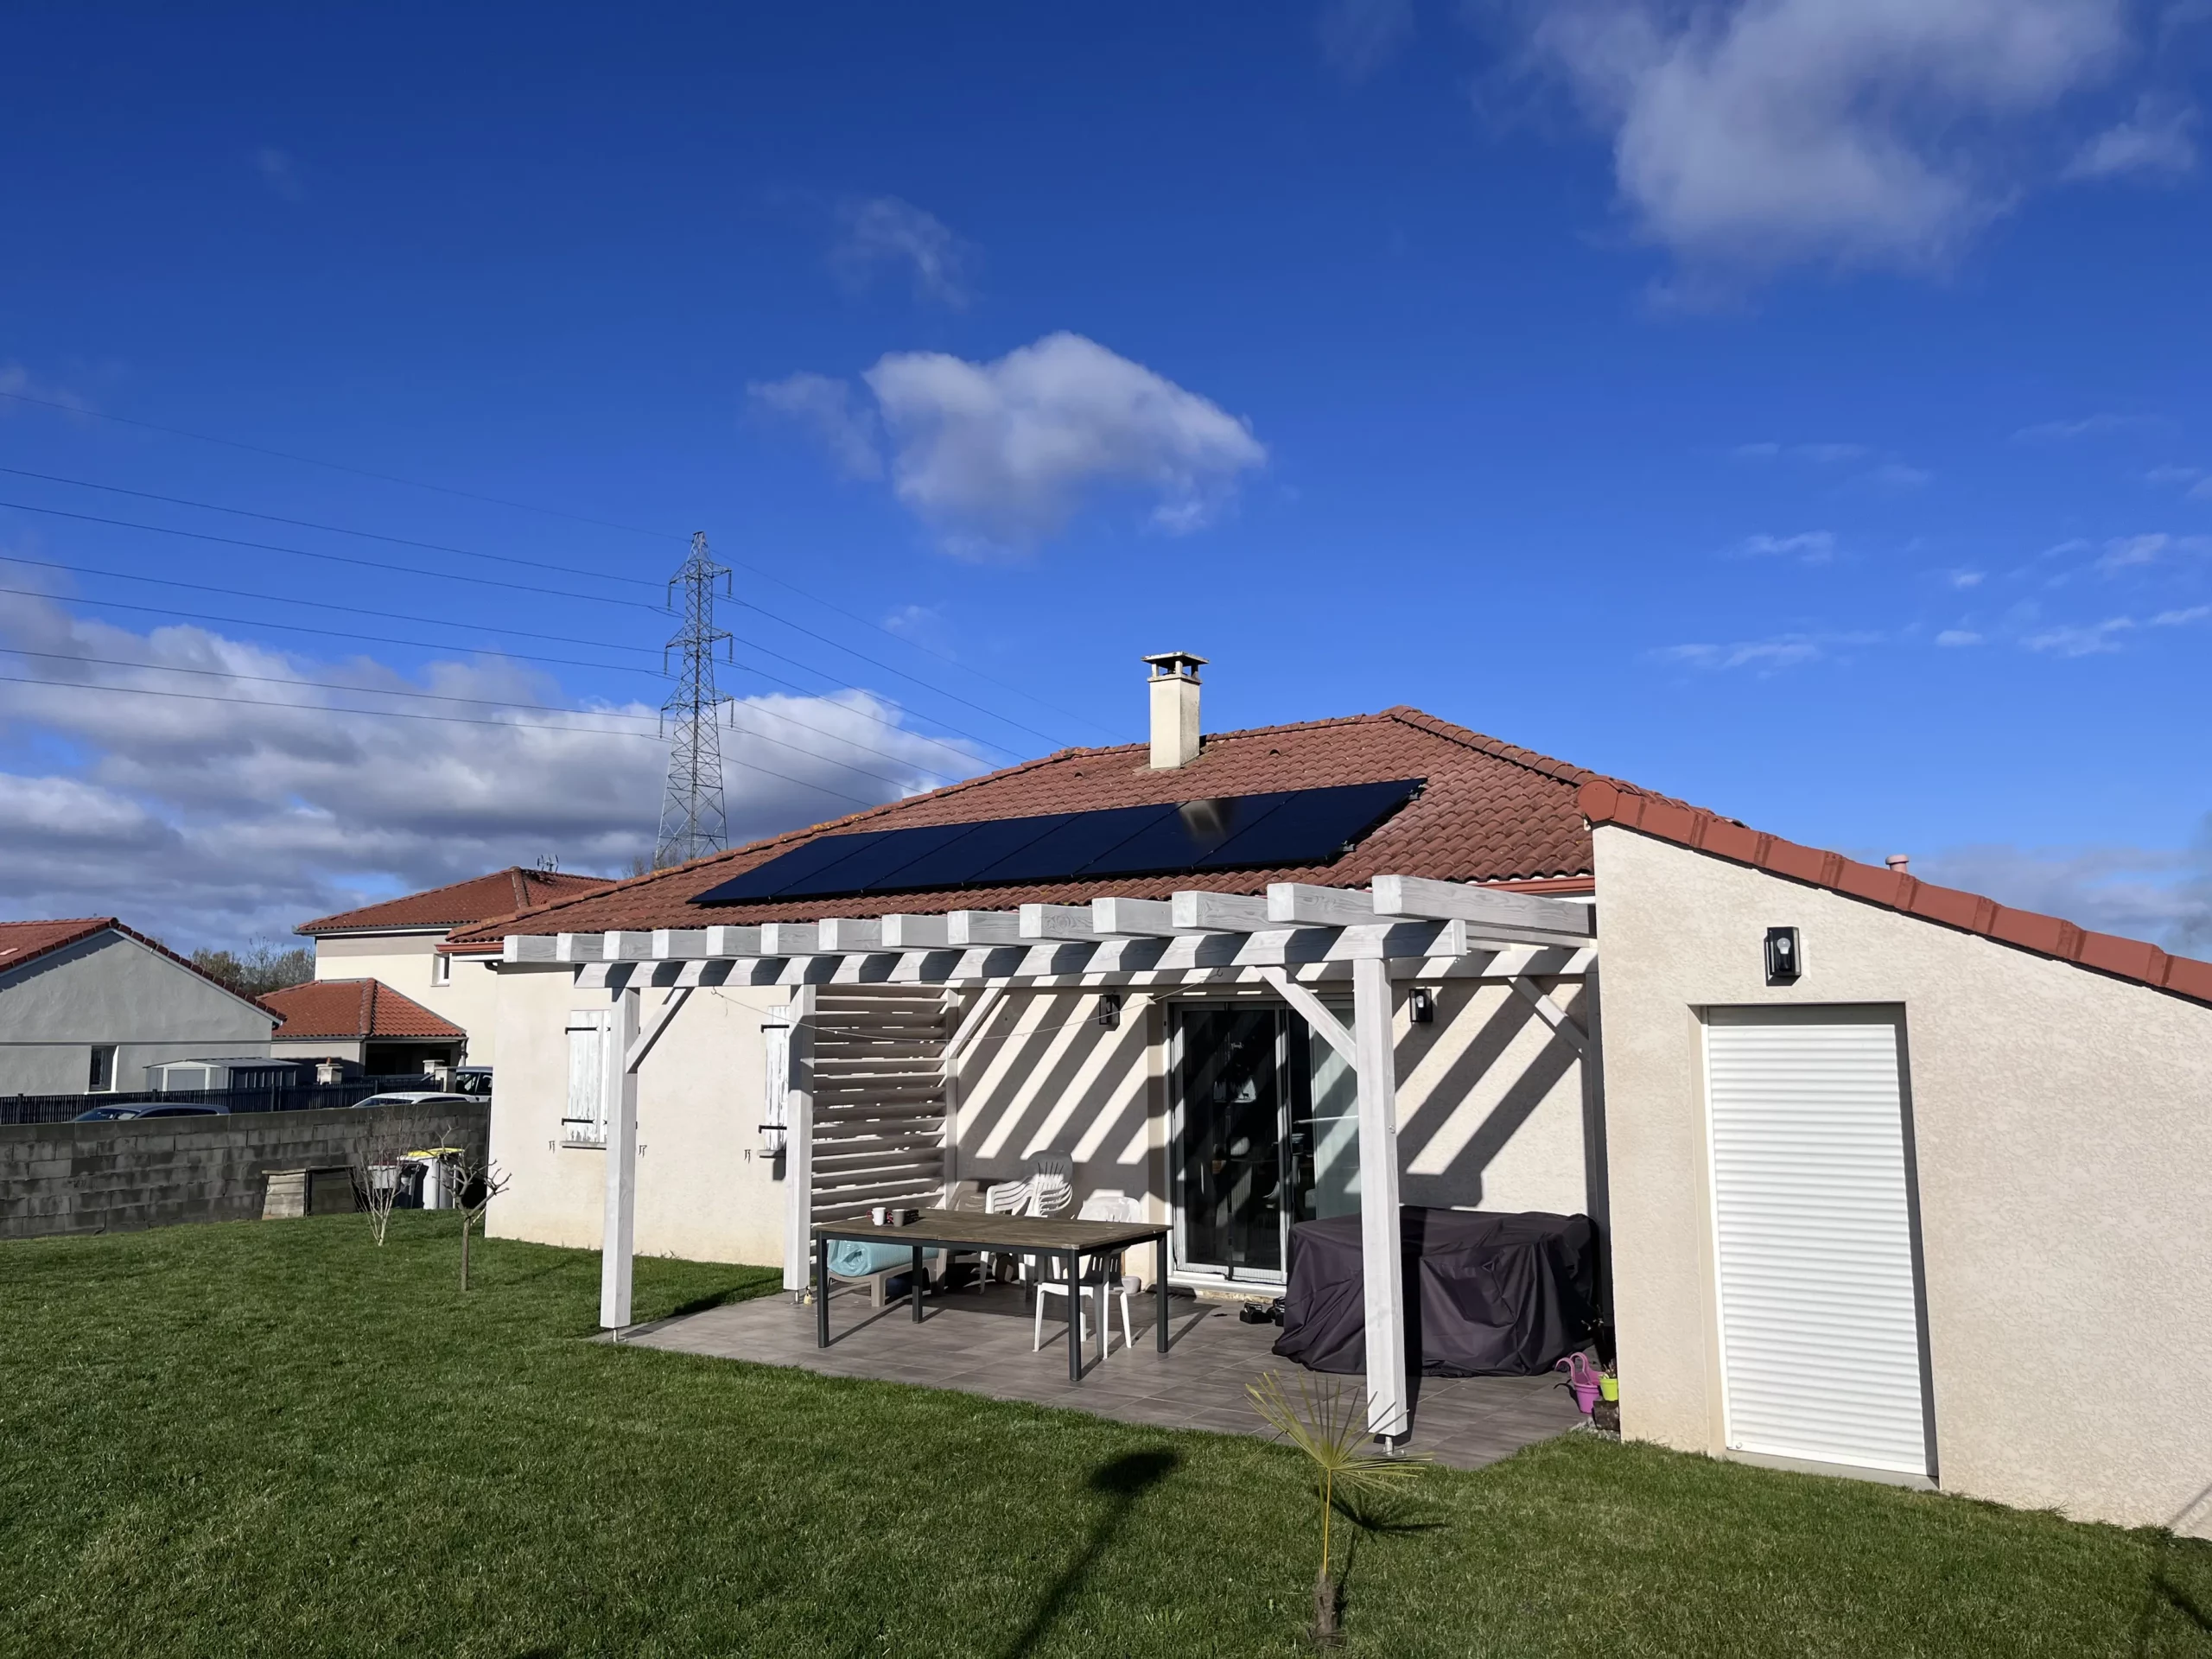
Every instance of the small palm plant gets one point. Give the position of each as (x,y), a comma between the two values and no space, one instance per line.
(1328,1425)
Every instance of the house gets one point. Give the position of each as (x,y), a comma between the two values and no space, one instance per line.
(89,1005)
(396,942)
(362,1023)
(1895,1181)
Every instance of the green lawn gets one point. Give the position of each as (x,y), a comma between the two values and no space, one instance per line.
(274,1438)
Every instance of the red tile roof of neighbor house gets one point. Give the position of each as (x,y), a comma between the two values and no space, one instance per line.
(22,942)
(353,1009)
(1608,801)
(1490,813)
(479,899)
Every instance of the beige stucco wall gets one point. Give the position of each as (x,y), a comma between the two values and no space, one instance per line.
(407,962)
(2064,1178)
(705,1190)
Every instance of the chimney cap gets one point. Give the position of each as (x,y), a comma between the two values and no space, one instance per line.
(1176,664)
(1899,861)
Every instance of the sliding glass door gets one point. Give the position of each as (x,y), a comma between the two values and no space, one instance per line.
(1266,1135)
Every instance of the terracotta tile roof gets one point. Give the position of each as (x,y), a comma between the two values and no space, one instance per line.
(1607,801)
(458,902)
(22,942)
(1490,813)
(353,1009)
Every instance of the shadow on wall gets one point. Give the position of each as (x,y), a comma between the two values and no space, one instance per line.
(1043,1076)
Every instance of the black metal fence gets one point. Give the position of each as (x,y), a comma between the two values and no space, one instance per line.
(62,1108)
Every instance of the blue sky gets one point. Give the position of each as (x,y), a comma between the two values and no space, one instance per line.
(1798,407)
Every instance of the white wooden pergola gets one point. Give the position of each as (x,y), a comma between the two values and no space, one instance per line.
(1295,938)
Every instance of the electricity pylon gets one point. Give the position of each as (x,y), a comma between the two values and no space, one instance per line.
(692,821)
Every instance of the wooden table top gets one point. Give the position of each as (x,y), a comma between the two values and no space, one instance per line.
(955,1227)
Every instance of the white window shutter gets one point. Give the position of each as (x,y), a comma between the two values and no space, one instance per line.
(585,1120)
(1820,1327)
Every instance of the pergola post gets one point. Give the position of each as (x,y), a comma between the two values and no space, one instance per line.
(799,1141)
(1381,1250)
(621,1211)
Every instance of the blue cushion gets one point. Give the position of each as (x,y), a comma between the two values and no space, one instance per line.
(855,1258)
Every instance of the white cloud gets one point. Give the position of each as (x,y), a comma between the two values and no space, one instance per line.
(280,172)
(1963,579)
(15,377)
(1956,637)
(2125,552)
(1001,455)
(214,820)
(2156,140)
(821,406)
(2088,426)
(2164,897)
(1807,547)
(1751,136)
(1359,37)
(2094,639)
(1896,475)
(1766,656)
(885,231)
(1823,454)
(2181,617)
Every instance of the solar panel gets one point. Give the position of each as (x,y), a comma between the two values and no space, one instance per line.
(1075,843)
(1309,826)
(1181,835)
(979,846)
(1288,826)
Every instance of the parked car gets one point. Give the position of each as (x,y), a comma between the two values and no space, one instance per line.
(151,1109)
(428,1097)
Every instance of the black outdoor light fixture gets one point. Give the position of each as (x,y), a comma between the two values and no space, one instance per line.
(1420,1006)
(1110,1010)
(1784,961)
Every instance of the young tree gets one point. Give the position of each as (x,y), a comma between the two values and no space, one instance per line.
(475,1184)
(1328,1426)
(381,1178)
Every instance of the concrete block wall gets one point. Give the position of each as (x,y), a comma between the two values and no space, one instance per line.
(108,1178)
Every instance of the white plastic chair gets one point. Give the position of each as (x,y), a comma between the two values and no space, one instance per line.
(1001,1198)
(1052,1184)
(1101,1274)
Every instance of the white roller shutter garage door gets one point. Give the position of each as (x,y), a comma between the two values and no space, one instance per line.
(1820,1328)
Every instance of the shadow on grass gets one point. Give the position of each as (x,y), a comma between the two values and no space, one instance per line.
(1121,1481)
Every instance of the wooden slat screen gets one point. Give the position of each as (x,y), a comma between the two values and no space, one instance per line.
(879,1099)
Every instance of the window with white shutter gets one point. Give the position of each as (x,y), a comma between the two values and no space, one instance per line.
(584,1121)
(1819,1298)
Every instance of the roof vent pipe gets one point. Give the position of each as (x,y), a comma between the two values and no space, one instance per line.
(1898,862)
(1174,691)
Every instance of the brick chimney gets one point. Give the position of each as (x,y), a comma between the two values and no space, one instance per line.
(1174,692)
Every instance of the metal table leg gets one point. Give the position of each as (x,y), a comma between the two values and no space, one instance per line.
(1075,1319)
(821,1292)
(914,1281)
(1159,1294)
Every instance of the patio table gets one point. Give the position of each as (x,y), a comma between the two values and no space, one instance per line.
(1033,1235)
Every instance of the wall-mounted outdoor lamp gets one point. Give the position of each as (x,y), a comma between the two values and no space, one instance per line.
(1784,960)
(1420,1006)
(1109,1012)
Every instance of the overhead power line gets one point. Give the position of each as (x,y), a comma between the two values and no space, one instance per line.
(532,589)
(334,530)
(435,622)
(557,512)
(481,702)
(405,714)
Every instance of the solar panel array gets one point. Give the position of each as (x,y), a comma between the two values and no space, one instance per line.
(1285,827)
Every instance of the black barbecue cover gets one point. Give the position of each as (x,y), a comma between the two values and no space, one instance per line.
(1487,1294)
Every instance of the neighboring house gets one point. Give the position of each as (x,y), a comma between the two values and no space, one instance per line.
(1895,1180)
(89,1004)
(364,1022)
(397,942)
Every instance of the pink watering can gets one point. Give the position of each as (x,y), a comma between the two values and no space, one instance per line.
(1582,1377)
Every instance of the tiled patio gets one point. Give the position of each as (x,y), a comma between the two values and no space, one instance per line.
(978,1343)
